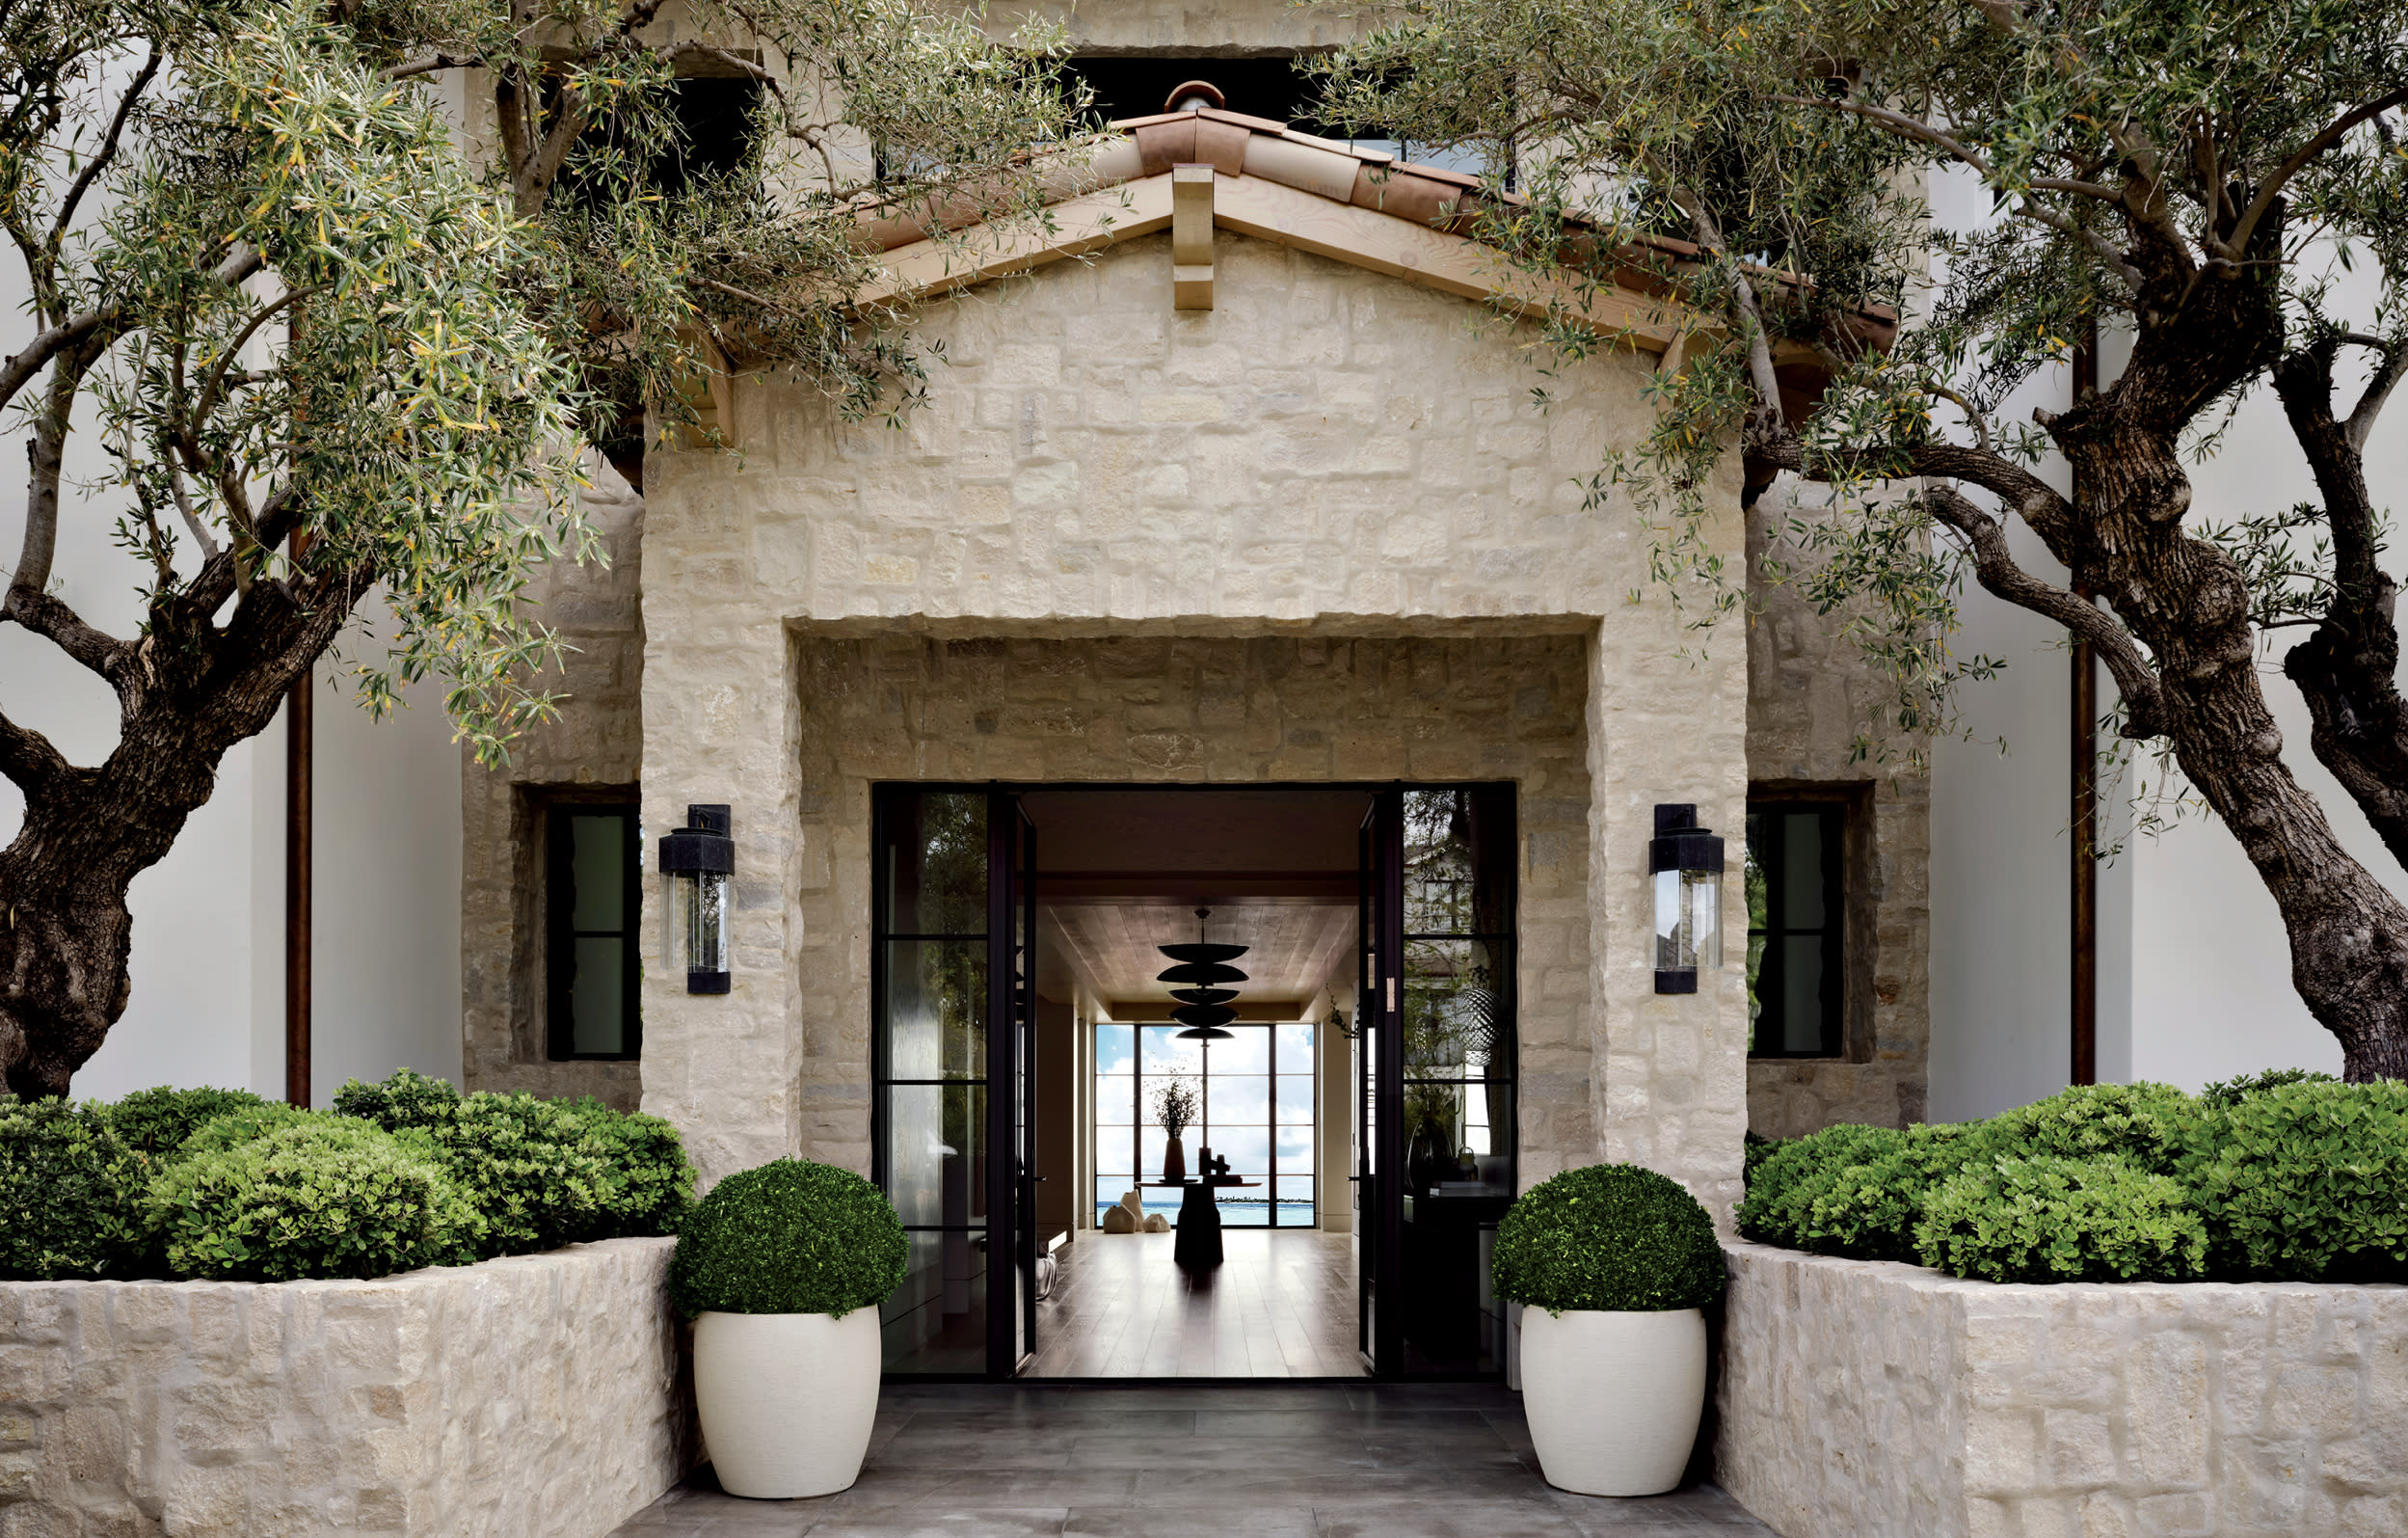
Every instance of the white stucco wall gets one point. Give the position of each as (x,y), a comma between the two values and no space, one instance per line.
(2194,973)
(208,992)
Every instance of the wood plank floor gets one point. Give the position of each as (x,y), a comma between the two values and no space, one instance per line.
(1280,1305)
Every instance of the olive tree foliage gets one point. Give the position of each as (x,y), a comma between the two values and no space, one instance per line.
(2189,175)
(327,338)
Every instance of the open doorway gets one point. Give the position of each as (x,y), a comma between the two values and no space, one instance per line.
(1119,875)
(1352,1083)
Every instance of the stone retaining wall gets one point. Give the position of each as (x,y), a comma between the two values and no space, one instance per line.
(1860,1398)
(532,1395)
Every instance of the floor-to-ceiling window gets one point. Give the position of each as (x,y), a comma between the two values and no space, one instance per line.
(1256,1094)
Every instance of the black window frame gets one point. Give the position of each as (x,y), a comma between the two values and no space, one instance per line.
(560,937)
(1766,993)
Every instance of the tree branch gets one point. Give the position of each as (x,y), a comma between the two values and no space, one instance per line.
(1915,128)
(431,65)
(104,154)
(2144,697)
(27,758)
(52,620)
(2387,375)
(217,373)
(2281,175)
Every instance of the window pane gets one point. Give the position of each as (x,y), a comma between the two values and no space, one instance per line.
(1151,1144)
(936,863)
(1454,1018)
(598,996)
(598,871)
(1802,992)
(936,1134)
(1243,1209)
(1296,1188)
(1756,993)
(1247,1148)
(936,1320)
(1801,871)
(1295,1151)
(1164,1053)
(936,1008)
(1238,1102)
(1115,1049)
(1760,828)
(1295,1047)
(1295,1100)
(1247,1051)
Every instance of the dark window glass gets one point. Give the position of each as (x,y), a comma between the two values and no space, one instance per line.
(1794,928)
(593,963)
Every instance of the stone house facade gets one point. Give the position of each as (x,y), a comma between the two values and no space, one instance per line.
(1319,531)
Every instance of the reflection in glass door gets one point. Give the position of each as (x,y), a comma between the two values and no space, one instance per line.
(1435,1165)
(952,996)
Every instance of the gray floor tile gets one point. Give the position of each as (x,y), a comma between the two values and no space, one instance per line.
(986,1521)
(1189,1461)
(1381,1517)
(1255,1522)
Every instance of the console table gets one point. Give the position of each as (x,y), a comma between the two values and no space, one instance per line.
(1198,1246)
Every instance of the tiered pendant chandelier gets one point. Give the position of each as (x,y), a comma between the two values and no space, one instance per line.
(1202,968)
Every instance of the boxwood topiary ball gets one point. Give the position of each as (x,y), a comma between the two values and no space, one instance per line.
(1612,1236)
(787,1237)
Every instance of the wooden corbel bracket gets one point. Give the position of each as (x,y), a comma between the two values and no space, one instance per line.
(1192,237)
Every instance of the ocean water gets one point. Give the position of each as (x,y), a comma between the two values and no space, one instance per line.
(1232,1214)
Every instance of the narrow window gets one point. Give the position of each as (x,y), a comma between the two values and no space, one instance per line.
(1795,925)
(591,904)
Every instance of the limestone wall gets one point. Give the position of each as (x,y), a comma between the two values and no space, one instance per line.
(594,743)
(1270,708)
(1859,1397)
(1327,454)
(1812,697)
(531,1395)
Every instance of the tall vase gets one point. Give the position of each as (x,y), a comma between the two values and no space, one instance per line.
(1174,1162)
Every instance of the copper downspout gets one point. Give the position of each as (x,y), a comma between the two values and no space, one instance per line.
(2084,765)
(299,743)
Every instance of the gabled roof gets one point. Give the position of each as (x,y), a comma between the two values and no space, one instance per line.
(1359,207)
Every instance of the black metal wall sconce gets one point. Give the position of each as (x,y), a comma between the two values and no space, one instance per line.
(695,862)
(1685,862)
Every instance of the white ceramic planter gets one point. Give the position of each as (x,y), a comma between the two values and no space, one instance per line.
(1613,1398)
(786,1399)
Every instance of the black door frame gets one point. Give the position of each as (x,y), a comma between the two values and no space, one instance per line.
(1011,1019)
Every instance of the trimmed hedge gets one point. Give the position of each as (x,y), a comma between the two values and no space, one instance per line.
(2306,1181)
(1611,1236)
(788,1237)
(321,1195)
(1779,1208)
(2287,1175)
(156,1122)
(2047,1218)
(222,1183)
(68,1190)
(2141,1124)
(542,1173)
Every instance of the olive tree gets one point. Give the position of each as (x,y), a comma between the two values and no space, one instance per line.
(2188,174)
(330,335)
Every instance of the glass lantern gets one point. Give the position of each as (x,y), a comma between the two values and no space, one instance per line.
(1685,862)
(696,862)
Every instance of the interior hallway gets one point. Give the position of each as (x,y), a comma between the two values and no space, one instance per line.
(1281,1304)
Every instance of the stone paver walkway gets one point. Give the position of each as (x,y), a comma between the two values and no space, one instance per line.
(1199,1461)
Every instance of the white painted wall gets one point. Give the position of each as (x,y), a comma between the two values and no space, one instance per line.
(207,969)
(2194,971)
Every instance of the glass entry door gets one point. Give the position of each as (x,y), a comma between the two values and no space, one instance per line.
(1435,1163)
(953,963)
